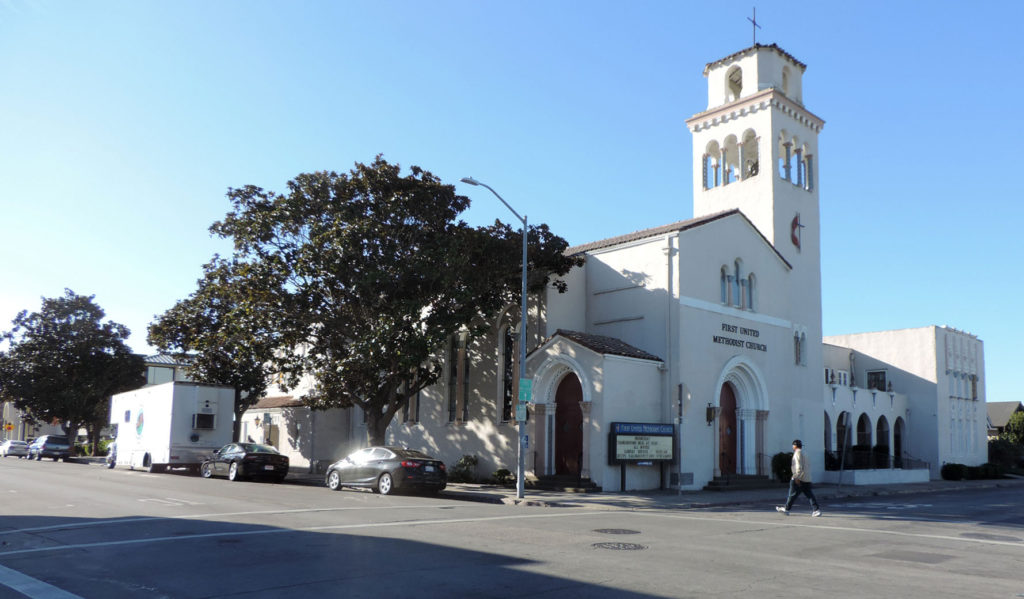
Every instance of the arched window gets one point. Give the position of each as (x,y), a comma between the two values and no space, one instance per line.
(734,84)
(737,297)
(724,285)
(796,348)
(828,433)
(882,432)
(864,431)
(750,155)
(750,292)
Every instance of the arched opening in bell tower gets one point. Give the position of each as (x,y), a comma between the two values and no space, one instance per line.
(733,84)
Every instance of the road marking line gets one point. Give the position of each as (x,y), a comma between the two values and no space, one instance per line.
(32,587)
(217,515)
(236,533)
(790,524)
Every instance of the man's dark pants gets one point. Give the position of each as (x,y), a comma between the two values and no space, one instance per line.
(795,488)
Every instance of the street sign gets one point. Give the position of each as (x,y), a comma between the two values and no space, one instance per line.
(521,412)
(525,390)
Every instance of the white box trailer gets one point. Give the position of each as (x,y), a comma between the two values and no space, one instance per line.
(173,425)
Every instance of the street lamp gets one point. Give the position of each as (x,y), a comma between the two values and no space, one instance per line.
(521,421)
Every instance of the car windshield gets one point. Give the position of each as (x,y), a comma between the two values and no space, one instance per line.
(257,448)
(62,440)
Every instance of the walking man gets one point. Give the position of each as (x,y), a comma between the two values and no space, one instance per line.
(801,481)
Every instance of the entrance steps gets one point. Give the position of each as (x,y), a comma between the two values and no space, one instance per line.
(741,482)
(565,483)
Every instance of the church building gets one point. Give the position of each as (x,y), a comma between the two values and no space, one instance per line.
(693,351)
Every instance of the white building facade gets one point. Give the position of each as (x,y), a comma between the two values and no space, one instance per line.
(709,328)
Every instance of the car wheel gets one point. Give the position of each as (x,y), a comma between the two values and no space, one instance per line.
(206,471)
(385,484)
(334,480)
(233,472)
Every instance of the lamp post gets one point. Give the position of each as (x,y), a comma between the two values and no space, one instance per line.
(520,422)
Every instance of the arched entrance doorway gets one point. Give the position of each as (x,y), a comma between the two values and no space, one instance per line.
(897,443)
(727,430)
(568,426)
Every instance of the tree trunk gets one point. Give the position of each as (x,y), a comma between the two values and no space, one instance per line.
(236,427)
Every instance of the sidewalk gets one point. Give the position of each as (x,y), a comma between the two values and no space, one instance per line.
(671,499)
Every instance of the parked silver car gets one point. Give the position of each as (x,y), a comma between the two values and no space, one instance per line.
(14,447)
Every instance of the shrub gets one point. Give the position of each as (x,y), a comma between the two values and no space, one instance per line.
(953,471)
(464,470)
(1004,453)
(831,460)
(782,466)
(502,476)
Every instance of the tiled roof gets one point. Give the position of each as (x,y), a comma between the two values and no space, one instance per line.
(675,227)
(281,401)
(999,412)
(755,47)
(645,233)
(606,345)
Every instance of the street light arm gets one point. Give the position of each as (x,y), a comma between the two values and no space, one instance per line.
(472,181)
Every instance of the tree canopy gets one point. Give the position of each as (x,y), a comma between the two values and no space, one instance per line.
(1014,431)
(377,272)
(224,333)
(63,363)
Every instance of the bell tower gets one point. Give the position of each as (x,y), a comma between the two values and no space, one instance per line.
(755,148)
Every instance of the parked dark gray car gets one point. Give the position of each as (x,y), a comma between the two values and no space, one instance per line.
(50,446)
(387,470)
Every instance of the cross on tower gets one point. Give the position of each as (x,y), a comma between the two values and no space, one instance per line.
(755,25)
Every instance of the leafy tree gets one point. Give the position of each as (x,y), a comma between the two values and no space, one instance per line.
(378,274)
(1014,431)
(63,364)
(223,332)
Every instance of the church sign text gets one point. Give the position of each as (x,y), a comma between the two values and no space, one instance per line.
(733,341)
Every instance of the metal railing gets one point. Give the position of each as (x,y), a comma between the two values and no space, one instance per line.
(870,459)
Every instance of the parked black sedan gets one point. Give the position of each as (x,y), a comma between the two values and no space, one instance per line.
(387,470)
(238,461)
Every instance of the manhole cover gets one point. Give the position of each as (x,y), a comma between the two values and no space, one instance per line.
(617,531)
(619,546)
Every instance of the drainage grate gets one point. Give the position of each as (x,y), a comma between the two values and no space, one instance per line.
(617,531)
(619,546)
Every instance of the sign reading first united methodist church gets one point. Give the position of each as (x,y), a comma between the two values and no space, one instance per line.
(632,442)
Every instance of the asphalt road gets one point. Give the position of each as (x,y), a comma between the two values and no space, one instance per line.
(71,530)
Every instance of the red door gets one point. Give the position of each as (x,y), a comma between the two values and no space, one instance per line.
(568,426)
(727,430)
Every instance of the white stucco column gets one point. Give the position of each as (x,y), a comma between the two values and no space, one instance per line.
(747,419)
(740,175)
(585,466)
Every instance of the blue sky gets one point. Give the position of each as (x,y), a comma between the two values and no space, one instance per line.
(123,124)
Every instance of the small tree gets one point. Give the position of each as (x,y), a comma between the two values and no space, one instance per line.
(1014,431)
(64,363)
(224,332)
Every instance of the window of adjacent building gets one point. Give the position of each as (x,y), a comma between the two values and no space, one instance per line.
(876,380)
